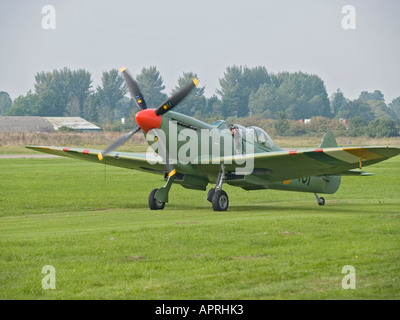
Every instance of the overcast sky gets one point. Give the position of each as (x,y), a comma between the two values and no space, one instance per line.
(204,37)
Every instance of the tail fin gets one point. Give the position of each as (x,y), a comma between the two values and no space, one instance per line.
(328,141)
(332,182)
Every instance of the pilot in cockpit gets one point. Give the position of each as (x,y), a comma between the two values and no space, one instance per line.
(237,138)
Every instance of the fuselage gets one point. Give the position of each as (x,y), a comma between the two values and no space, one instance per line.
(190,141)
(184,133)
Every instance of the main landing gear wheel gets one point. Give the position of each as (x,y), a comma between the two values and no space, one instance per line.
(155,204)
(220,201)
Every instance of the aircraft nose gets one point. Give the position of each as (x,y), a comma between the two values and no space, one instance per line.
(147,119)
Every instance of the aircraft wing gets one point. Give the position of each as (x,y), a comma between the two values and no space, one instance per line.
(285,165)
(272,166)
(137,161)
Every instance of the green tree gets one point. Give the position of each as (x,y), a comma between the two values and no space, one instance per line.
(357,108)
(56,93)
(383,128)
(264,102)
(5,102)
(213,107)
(395,106)
(237,85)
(79,91)
(282,124)
(252,79)
(62,92)
(110,94)
(357,127)
(302,95)
(338,102)
(27,105)
(91,108)
(124,108)
(381,110)
(151,85)
(367,96)
(232,99)
(195,101)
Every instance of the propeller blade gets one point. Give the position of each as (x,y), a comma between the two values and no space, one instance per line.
(117,143)
(134,90)
(162,148)
(177,97)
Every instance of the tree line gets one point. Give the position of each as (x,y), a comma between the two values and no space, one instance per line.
(244,92)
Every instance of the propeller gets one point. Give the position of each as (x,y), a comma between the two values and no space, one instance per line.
(177,97)
(117,143)
(134,90)
(136,96)
(150,119)
(165,107)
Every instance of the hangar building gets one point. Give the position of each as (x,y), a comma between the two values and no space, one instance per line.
(45,124)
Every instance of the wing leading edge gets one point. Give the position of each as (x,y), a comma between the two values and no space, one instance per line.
(137,161)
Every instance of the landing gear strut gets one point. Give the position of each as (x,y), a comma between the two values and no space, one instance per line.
(320,200)
(155,204)
(158,197)
(217,196)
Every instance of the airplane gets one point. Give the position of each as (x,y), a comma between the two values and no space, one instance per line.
(193,154)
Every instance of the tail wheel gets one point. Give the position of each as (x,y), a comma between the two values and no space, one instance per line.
(220,201)
(155,204)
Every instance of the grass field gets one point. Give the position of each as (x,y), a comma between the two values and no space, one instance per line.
(93,225)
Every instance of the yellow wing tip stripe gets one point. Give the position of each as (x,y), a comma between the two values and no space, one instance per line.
(172,173)
(100,156)
(122,69)
(364,153)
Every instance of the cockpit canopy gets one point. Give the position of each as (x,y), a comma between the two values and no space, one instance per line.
(220,124)
(260,135)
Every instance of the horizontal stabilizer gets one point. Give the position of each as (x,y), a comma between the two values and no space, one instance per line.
(356,173)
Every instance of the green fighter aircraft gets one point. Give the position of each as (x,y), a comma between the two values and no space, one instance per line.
(192,153)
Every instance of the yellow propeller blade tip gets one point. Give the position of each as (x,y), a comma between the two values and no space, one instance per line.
(100,156)
(122,69)
(172,173)
(195,81)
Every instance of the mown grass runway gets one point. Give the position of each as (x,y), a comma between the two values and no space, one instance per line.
(93,225)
